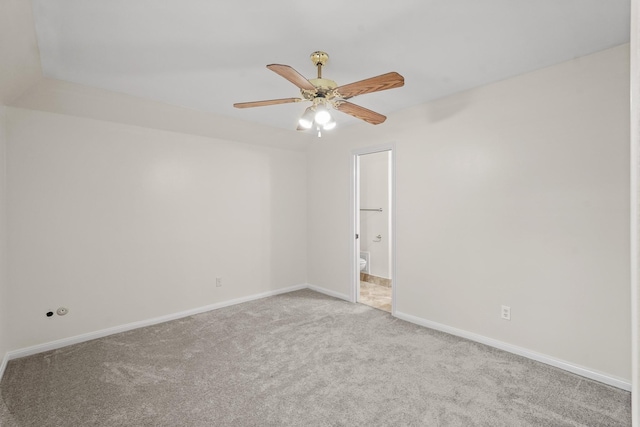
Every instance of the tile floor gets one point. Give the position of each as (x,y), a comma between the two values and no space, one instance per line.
(376,296)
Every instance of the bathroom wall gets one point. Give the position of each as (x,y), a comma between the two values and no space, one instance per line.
(121,223)
(514,193)
(374,193)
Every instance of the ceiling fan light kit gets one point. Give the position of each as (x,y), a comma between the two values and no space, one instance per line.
(316,117)
(325,94)
(306,120)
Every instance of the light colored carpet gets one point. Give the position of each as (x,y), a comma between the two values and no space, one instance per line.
(297,359)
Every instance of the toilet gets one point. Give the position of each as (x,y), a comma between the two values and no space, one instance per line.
(363,264)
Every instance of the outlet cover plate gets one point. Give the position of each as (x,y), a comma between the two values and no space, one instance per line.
(505,312)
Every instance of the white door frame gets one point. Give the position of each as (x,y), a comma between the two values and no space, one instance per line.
(355,219)
(635,212)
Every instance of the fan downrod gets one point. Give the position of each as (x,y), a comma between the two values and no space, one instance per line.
(319,59)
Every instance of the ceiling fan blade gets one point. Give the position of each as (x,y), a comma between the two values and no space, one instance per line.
(292,75)
(267,102)
(374,84)
(360,112)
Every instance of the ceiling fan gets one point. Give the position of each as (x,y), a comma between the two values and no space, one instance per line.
(325,94)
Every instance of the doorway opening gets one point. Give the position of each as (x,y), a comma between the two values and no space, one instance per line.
(373,219)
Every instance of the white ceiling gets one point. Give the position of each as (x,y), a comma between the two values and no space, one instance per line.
(206,55)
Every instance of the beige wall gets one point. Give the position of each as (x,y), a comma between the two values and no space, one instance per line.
(4,287)
(516,193)
(19,70)
(121,223)
(20,57)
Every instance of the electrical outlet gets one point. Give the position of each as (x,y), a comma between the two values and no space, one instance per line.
(218,282)
(62,311)
(506,312)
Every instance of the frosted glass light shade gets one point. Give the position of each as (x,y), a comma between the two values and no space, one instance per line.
(306,121)
(329,125)
(322,116)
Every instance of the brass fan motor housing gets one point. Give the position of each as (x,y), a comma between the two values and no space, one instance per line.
(324,89)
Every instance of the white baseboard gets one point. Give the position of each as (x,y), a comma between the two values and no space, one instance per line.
(3,365)
(53,345)
(588,373)
(329,292)
(549,360)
